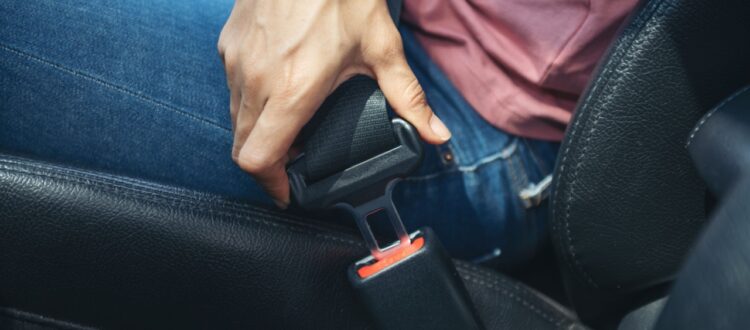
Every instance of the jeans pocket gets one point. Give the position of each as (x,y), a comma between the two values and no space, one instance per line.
(517,167)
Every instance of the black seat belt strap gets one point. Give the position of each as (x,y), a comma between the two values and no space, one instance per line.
(351,126)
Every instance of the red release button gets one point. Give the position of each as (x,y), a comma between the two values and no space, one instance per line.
(372,269)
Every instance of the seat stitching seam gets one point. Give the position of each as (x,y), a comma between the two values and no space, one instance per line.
(131,190)
(515,297)
(107,84)
(519,290)
(179,194)
(244,209)
(137,192)
(493,278)
(134,183)
(210,210)
(18,314)
(711,113)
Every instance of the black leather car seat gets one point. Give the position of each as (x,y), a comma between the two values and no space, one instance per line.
(86,249)
(628,201)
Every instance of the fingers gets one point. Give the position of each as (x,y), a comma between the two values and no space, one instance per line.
(235,98)
(405,95)
(265,152)
(244,121)
(248,94)
(384,55)
(282,61)
(271,175)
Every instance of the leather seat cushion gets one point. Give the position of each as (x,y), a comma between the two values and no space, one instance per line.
(90,249)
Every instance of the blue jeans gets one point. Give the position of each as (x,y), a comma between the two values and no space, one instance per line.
(136,88)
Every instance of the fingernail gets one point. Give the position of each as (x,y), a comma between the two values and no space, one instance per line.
(439,128)
(280,204)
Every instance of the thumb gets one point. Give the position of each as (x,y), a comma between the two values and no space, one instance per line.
(405,95)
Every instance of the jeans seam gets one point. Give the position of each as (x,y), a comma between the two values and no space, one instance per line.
(106,84)
(506,153)
(541,165)
(519,177)
(523,171)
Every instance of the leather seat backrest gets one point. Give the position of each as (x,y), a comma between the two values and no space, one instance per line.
(627,202)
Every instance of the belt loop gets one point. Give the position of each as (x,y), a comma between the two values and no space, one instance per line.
(534,194)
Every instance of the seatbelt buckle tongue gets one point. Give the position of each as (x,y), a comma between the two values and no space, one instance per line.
(364,189)
(364,211)
(362,182)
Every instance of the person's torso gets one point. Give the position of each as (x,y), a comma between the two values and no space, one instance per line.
(521,63)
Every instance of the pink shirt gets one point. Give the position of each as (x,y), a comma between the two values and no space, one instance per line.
(520,63)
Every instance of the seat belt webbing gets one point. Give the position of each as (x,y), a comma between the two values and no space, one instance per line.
(351,126)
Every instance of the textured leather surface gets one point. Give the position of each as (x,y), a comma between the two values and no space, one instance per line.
(504,303)
(712,290)
(627,202)
(108,252)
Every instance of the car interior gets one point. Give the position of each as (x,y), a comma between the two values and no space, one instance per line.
(647,207)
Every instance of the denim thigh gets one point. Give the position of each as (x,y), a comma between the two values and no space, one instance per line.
(468,189)
(129,87)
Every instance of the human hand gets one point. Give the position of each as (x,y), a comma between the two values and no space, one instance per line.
(284,57)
